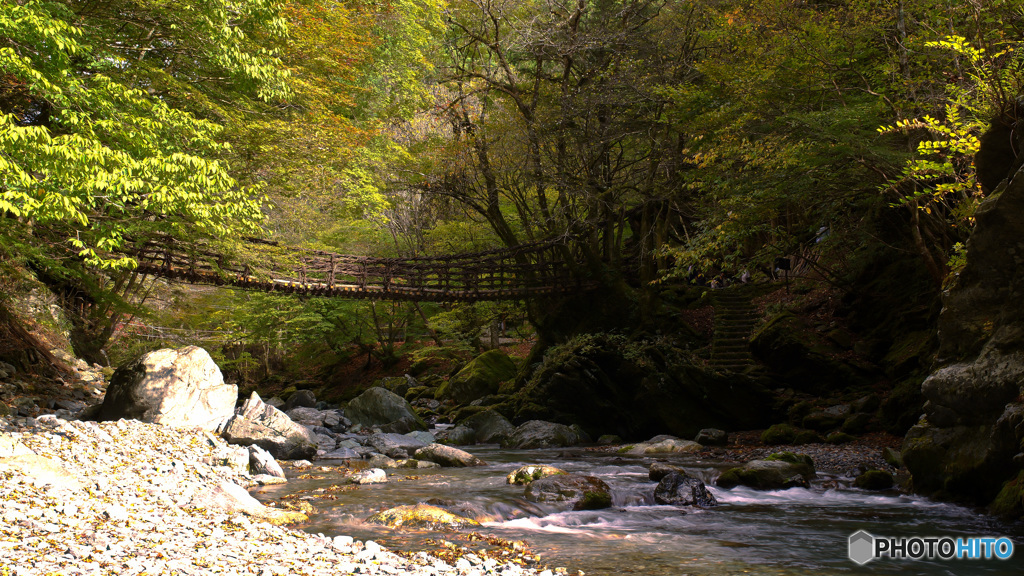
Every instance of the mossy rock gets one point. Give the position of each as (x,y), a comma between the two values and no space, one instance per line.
(460,413)
(1009,503)
(806,437)
(856,424)
(778,434)
(776,474)
(892,457)
(802,460)
(594,501)
(839,438)
(481,376)
(417,392)
(526,474)
(874,480)
(421,516)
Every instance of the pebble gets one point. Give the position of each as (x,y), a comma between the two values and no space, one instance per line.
(130,514)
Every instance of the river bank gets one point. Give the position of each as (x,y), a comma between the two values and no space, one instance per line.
(131,498)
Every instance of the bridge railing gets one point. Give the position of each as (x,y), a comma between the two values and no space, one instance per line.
(527,270)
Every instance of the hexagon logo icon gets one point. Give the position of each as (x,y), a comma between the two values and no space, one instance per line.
(862,547)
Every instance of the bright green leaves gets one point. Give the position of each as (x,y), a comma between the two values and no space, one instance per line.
(91,157)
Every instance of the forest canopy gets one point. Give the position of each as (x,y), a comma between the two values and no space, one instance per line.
(696,138)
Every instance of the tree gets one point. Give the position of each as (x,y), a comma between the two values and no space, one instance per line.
(109,134)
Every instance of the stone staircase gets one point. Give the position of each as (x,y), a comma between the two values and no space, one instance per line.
(735,317)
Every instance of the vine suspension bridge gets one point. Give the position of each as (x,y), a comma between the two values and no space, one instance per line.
(547,268)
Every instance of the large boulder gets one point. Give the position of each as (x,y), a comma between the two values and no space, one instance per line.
(421,516)
(678,489)
(380,407)
(457,436)
(611,384)
(490,427)
(395,445)
(300,399)
(447,456)
(269,428)
(482,376)
(776,472)
(973,430)
(540,434)
(581,492)
(179,388)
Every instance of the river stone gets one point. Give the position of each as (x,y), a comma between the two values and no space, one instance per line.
(541,434)
(679,489)
(529,473)
(300,399)
(269,428)
(779,471)
(481,376)
(874,480)
(371,476)
(341,453)
(457,436)
(608,439)
(179,388)
(395,445)
(665,446)
(379,407)
(582,492)
(659,470)
(421,516)
(447,456)
(232,498)
(712,437)
(306,416)
(490,427)
(262,462)
(381,461)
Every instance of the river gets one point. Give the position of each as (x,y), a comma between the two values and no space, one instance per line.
(786,532)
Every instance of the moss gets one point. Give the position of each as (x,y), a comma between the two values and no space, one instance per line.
(729,478)
(779,434)
(791,457)
(1009,503)
(594,501)
(806,437)
(874,480)
(625,449)
(839,438)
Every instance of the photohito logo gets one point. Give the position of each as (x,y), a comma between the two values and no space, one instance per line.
(864,548)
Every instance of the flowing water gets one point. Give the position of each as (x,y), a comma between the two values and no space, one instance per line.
(786,532)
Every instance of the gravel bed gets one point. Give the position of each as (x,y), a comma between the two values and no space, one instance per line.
(122,502)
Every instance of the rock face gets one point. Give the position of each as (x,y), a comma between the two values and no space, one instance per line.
(480,377)
(457,436)
(777,472)
(421,516)
(379,407)
(540,434)
(178,388)
(490,427)
(270,429)
(653,389)
(582,492)
(964,448)
(678,489)
(447,456)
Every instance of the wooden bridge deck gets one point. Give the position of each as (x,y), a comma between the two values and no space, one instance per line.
(528,271)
